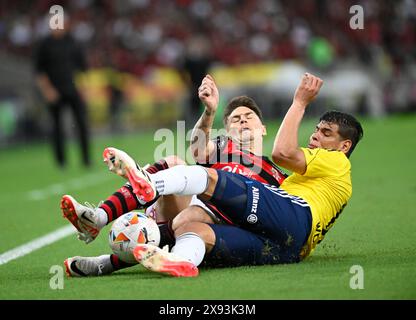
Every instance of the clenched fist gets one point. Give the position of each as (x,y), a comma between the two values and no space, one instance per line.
(208,93)
(307,89)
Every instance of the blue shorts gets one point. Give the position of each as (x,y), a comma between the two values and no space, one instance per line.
(270,226)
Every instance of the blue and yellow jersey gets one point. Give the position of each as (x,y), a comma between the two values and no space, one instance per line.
(325,186)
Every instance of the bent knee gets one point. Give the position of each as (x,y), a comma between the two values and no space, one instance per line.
(203,230)
(191,214)
(185,227)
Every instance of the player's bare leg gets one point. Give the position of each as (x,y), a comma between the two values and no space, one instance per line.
(191,214)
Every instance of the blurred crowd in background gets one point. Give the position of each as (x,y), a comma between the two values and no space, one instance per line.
(133,35)
(136,37)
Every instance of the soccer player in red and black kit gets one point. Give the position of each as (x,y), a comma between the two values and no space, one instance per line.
(239,151)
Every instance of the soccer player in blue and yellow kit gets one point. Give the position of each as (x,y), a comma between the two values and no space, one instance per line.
(271,225)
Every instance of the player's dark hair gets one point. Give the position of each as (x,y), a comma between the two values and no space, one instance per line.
(241,101)
(348,127)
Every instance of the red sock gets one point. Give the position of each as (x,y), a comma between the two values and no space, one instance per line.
(124,200)
(157,166)
(120,202)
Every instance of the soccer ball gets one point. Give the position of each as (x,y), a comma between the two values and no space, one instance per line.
(129,230)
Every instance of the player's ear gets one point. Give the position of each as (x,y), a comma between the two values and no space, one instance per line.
(345,146)
(264,131)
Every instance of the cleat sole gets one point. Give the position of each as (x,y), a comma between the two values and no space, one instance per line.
(126,168)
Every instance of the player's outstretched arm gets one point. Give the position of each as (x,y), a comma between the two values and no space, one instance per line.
(201,145)
(286,151)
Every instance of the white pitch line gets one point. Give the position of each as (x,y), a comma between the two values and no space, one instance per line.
(36,244)
(40,194)
(73,184)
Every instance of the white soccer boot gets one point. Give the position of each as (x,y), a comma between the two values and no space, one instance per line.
(123,165)
(161,260)
(88,266)
(83,218)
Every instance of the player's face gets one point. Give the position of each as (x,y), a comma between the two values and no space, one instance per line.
(245,126)
(326,136)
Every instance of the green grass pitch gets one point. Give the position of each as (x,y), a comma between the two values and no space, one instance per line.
(376,230)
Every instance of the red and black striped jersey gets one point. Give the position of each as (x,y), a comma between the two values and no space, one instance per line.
(229,157)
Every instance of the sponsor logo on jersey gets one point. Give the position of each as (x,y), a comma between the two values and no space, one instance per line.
(255,202)
(237,168)
(233,169)
(252,218)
